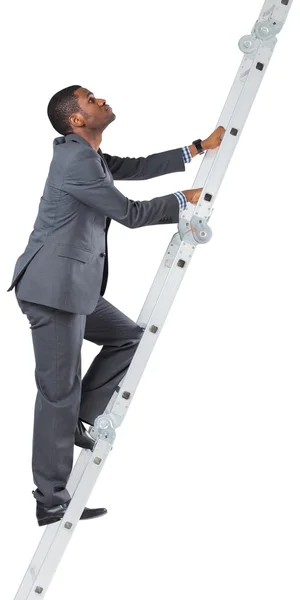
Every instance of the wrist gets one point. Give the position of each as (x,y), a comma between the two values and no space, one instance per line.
(193,150)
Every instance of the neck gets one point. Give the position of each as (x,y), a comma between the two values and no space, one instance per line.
(94,139)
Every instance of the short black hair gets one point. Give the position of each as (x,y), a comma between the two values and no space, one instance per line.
(60,108)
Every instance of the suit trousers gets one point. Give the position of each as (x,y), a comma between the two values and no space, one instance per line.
(62,396)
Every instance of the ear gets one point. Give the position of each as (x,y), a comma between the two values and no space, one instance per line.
(76,120)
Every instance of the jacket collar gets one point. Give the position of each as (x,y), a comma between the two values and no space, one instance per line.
(72,137)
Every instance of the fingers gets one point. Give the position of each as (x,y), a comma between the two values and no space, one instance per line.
(198,192)
(219,131)
(218,134)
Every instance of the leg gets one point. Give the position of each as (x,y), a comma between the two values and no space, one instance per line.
(57,339)
(120,337)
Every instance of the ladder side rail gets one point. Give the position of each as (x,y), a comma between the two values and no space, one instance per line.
(159,280)
(186,249)
(262,37)
(232,135)
(275,10)
(150,301)
(171,254)
(159,314)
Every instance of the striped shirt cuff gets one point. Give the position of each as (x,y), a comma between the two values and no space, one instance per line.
(181,200)
(187,157)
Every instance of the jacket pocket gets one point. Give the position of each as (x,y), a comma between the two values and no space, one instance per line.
(74,252)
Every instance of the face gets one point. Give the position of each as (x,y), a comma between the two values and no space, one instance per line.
(96,114)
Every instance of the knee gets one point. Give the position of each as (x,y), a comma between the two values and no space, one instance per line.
(140,331)
(138,334)
(134,336)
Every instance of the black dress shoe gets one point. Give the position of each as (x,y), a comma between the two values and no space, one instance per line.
(51,514)
(82,438)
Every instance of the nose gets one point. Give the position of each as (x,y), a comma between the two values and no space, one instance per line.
(100,101)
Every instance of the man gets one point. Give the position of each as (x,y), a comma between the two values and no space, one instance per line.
(60,280)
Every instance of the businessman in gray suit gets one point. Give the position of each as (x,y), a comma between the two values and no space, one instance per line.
(60,280)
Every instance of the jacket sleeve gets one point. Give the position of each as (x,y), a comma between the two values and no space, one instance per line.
(86,181)
(153,165)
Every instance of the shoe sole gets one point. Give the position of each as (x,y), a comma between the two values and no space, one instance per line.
(49,520)
(90,447)
(92,516)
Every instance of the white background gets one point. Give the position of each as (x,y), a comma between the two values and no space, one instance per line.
(202,487)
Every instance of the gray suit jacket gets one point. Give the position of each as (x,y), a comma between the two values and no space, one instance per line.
(65,263)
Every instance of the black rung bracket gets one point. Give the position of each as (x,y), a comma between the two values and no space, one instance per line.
(260,66)
(181,263)
(153,329)
(126,395)
(234,131)
(208,197)
(285,2)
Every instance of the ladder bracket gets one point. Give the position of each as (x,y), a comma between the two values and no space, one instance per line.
(104,429)
(248,44)
(201,231)
(262,31)
(195,230)
(266,30)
